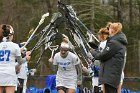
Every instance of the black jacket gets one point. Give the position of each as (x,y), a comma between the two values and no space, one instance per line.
(112,60)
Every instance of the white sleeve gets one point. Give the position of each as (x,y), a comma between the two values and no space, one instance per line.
(76,60)
(55,60)
(18,52)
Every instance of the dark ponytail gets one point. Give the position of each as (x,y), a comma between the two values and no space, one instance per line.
(6,30)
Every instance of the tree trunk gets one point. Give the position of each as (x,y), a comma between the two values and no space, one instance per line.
(104,1)
(92,15)
(114,9)
(119,10)
(130,14)
(139,54)
(139,9)
(49,6)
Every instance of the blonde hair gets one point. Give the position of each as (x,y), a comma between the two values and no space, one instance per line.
(65,38)
(64,45)
(103,33)
(108,25)
(117,27)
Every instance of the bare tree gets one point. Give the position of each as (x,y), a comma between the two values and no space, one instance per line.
(92,14)
(104,1)
(138,1)
(119,10)
(130,14)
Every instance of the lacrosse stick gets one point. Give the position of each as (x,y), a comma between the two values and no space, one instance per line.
(49,29)
(40,22)
(80,44)
(47,40)
(38,61)
(79,38)
(71,14)
(43,42)
(89,32)
(77,42)
(52,48)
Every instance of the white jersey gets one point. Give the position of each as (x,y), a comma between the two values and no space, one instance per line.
(102,45)
(23,71)
(8,53)
(66,74)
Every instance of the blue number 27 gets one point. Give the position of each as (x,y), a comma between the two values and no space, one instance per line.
(4,55)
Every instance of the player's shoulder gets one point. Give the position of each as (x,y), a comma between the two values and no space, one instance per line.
(72,54)
(15,45)
(57,54)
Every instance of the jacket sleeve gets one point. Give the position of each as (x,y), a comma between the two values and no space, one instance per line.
(110,50)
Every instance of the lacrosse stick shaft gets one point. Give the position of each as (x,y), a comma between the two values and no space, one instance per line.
(73,16)
(87,29)
(38,61)
(41,21)
(43,41)
(49,28)
(52,53)
(31,36)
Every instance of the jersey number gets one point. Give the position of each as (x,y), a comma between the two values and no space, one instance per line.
(4,55)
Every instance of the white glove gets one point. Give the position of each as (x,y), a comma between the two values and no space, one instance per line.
(91,73)
(32,72)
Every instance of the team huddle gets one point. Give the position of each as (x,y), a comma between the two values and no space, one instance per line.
(107,67)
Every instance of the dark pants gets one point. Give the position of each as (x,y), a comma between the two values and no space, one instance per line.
(3,90)
(97,89)
(20,86)
(110,89)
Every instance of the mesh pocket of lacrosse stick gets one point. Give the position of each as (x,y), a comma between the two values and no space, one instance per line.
(53,48)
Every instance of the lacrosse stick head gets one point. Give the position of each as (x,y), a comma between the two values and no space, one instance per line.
(45,15)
